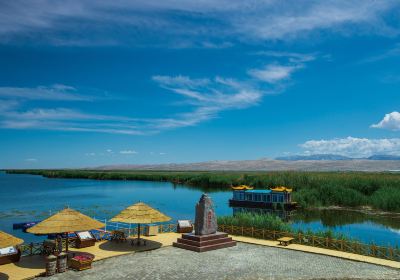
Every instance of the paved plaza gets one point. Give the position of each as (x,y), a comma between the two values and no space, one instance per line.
(244,262)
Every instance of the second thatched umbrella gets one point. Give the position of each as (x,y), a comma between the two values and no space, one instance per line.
(65,221)
(7,240)
(140,213)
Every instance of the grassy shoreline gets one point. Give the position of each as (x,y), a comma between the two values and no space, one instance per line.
(380,191)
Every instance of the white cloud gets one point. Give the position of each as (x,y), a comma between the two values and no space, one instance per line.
(353,147)
(68,120)
(181,23)
(54,92)
(204,98)
(128,152)
(31,160)
(209,97)
(390,121)
(304,17)
(162,153)
(90,154)
(274,73)
(291,56)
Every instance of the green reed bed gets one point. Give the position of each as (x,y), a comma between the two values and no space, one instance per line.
(245,219)
(273,223)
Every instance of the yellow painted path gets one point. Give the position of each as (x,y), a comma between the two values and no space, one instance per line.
(29,267)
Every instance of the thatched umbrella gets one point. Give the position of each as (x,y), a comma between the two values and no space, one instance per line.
(7,240)
(65,221)
(140,213)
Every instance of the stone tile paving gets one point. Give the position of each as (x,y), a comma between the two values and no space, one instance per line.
(243,262)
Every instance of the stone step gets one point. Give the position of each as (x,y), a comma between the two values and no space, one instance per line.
(204,243)
(200,238)
(205,248)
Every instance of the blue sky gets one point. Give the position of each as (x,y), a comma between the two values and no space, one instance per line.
(88,83)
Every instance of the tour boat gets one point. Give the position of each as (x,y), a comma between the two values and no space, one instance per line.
(274,198)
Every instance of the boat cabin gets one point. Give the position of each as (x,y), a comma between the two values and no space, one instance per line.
(246,196)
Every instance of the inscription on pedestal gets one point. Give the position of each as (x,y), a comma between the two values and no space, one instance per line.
(206,220)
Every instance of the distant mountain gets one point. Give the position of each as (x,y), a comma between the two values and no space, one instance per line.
(335,157)
(384,157)
(314,157)
(267,165)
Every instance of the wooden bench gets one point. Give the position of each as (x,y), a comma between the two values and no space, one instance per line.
(284,241)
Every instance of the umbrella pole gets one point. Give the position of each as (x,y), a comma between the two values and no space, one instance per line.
(66,244)
(138,234)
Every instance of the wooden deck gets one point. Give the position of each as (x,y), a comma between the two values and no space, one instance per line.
(30,267)
(321,251)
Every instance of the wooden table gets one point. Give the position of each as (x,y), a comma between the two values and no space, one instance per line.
(137,241)
(284,241)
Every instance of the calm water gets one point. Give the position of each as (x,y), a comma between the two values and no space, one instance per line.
(27,198)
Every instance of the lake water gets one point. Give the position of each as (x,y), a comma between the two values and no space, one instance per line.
(26,198)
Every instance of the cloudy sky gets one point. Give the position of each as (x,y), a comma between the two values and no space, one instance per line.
(87,83)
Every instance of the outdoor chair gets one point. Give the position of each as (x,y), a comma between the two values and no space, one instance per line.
(105,235)
(118,236)
(9,255)
(184,226)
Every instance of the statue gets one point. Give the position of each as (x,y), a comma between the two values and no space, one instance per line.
(205,220)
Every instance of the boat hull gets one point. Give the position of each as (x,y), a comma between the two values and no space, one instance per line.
(261,204)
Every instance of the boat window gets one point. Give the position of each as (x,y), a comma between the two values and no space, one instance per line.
(281,198)
(241,196)
(249,196)
(269,198)
(264,198)
(274,198)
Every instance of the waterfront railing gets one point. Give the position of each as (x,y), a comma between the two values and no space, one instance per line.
(348,246)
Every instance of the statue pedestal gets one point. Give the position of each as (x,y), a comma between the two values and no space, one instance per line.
(203,243)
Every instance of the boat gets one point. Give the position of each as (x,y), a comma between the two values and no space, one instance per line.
(275,198)
(24,225)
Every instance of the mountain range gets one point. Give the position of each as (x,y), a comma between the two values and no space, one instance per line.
(378,163)
(336,157)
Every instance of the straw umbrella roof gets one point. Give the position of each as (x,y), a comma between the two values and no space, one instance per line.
(7,240)
(65,221)
(140,213)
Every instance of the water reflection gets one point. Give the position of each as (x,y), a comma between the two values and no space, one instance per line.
(367,228)
(335,218)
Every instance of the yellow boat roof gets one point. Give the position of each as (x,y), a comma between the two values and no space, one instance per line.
(242,187)
(281,189)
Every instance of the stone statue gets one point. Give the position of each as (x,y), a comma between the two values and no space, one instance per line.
(206,220)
